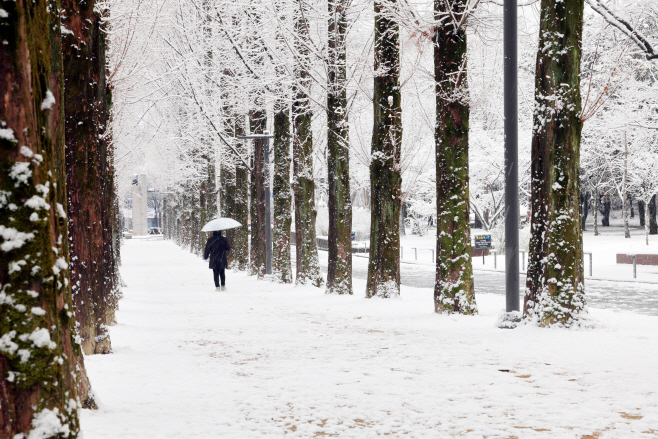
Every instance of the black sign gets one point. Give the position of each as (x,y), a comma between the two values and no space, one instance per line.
(482,241)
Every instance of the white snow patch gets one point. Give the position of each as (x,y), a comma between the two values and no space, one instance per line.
(7,134)
(13,238)
(48,101)
(36,203)
(60,264)
(20,171)
(41,338)
(46,424)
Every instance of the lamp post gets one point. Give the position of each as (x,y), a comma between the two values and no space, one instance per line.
(510,92)
(266,189)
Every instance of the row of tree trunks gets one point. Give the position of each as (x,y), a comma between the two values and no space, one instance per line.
(555,281)
(257,121)
(385,179)
(454,287)
(339,271)
(281,262)
(306,250)
(41,363)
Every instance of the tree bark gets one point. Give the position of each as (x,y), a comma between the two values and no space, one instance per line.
(555,293)
(257,119)
(584,208)
(605,221)
(240,236)
(596,211)
(281,262)
(306,248)
(454,287)
(640,212)
(653,224)
(41,363)
(385,178)
(339,271)
(90,174)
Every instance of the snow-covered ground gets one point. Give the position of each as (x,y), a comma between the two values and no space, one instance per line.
(604,249)
(264,360)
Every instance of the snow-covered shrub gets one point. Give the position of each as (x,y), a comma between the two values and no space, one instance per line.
(322,221)
(361,223)
(498,237)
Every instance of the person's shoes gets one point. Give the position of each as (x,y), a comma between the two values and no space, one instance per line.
(223,288)
(217,289)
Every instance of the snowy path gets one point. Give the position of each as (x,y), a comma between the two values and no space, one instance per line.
(265,361)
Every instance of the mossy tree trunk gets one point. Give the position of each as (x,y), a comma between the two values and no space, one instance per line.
(306,248)
(258,120)
(281,262)
(339,271)
(90,173)
(385,178)
(555,292)
(454,286)
(41,363)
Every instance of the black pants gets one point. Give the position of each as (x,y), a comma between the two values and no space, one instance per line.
(219,273)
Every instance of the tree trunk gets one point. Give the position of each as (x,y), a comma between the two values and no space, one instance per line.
(644,218)
(596,212)
(454,286)
(227,193)
(41,364)
(240,236)
(90,174)
(584,207)
(653,225)
(625,199)
(640,212)
(257,119)
(555,293)
(306,249)
(281,262)
(385,178)
(605,221)
(339,271)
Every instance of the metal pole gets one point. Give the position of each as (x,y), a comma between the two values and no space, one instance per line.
(268,221)
(634,266)
(496,260)
(510,93)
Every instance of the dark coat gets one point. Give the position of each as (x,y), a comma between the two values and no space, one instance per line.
(217,248)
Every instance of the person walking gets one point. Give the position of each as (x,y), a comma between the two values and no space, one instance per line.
(217,248)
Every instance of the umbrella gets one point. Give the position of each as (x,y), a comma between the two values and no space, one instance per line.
(221,224)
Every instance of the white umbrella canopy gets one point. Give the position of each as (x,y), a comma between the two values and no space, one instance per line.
(221,224)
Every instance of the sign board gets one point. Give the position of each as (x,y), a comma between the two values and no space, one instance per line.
(482,241)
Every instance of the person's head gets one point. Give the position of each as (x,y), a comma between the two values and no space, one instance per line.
(217,233)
